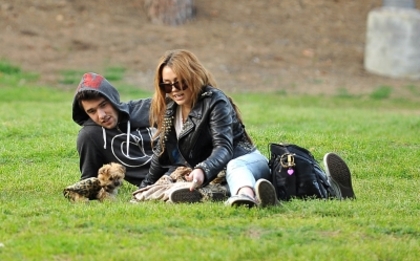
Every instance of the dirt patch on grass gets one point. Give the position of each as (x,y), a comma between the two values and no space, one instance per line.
(290,46)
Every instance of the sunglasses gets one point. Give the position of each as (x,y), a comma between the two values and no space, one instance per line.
(167,87)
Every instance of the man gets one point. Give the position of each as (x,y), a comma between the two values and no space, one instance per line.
(112,131)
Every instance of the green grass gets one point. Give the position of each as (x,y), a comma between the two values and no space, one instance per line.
(12,75)
(73,77)
(378,137)
(382,92)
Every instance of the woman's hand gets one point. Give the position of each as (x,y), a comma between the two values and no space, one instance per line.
(197,178)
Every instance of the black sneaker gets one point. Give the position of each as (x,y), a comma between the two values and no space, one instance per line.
(265,193)
(184,195)
(339,175)
(209,193)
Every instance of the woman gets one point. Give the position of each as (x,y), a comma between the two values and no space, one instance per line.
(198,126)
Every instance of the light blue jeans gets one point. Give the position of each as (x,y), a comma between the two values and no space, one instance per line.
(245,170)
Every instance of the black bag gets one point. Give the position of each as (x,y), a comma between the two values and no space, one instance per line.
(296,173)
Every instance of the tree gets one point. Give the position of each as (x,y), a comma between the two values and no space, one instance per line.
(169,12)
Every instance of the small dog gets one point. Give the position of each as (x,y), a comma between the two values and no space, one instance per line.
(105,186)
(111,177)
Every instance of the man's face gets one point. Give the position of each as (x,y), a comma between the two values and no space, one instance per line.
(101,112)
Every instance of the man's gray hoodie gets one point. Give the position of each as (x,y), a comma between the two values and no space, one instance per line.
(128,144)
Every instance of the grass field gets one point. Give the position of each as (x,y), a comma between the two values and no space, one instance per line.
(377,136)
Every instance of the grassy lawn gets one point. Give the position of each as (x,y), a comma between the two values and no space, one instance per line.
(377,136)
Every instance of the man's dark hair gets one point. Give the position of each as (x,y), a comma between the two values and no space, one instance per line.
(87,95)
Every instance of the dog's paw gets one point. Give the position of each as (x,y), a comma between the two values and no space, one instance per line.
(105,195)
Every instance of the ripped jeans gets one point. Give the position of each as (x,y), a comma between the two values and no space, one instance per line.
(245,170)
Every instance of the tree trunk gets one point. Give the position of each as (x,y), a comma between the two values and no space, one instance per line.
(169,12)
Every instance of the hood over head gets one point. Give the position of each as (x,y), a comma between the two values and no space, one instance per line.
(96,82)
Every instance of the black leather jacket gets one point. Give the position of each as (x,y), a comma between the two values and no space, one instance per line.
(211,137)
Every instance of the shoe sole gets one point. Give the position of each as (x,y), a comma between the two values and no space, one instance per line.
(340,175)
(237,201)
(266,193)
(246,203)
(184,195)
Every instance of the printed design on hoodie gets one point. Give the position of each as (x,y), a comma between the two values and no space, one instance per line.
(91,80)
(137,157)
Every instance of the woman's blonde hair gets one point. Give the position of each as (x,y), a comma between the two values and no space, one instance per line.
(190,72)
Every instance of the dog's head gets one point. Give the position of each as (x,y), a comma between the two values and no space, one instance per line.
(111,175)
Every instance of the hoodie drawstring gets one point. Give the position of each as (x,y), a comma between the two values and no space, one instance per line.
(128,136)
(104,137)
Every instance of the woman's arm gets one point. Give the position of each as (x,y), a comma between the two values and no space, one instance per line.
(220,127)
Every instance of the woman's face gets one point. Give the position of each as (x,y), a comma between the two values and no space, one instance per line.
(181,97)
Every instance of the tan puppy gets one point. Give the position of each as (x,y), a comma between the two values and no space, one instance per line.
(111,177)
(105,186)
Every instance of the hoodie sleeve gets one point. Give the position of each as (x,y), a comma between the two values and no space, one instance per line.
(155,172)
(139,113)
(88,147)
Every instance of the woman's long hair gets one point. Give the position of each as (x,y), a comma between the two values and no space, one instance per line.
(189,72)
